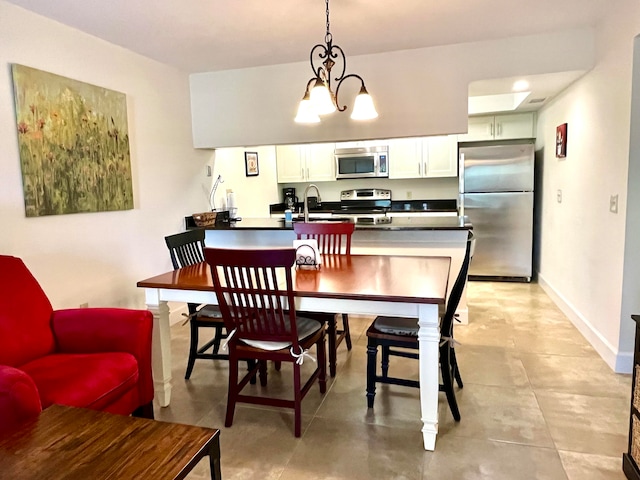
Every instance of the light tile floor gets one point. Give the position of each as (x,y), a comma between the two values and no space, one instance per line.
(538,403)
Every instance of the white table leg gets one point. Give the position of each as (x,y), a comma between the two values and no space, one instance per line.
(429,339)
(161,347)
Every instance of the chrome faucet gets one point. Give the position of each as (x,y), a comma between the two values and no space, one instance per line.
(306,200)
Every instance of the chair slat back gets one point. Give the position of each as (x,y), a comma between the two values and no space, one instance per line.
(332,237)
(186,248)
(251,300)
(458,288)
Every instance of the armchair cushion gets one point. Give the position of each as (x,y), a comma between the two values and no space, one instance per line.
(93,380)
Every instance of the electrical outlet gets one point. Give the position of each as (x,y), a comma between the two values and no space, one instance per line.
(409,195)
(84,305)
(559,196)
(208,170)
(613,204)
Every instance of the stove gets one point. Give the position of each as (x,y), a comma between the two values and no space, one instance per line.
(365,201)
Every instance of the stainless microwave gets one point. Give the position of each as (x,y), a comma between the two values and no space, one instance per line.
(364,162)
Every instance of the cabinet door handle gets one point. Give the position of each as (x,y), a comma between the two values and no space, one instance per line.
(491,129)
(302,173)
(499,128)
(419,168)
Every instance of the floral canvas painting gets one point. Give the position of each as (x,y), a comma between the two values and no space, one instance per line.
(74,145)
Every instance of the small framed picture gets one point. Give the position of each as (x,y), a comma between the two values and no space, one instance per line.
(251,164)
(561,141)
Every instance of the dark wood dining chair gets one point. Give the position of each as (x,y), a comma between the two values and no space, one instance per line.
(332,238)
(399,337)
(254,290)
(186,249)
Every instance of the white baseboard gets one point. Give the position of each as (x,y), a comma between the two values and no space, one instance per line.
(620,362)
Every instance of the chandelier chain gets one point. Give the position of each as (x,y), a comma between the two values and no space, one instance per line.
(327,37)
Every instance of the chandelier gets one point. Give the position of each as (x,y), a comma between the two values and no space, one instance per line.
(319,98)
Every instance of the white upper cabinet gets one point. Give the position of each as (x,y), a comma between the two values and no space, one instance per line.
(441,156)
(305,163)
(500,127)
(405,158)
(427,157)
(321,162)
(290,163)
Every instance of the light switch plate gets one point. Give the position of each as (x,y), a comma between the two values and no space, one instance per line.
(613,204)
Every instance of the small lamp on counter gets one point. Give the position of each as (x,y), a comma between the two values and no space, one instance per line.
(212,194)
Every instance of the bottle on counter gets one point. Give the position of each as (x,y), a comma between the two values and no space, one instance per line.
(231,203)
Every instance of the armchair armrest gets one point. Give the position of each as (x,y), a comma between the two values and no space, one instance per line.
(19,398)
(92,330)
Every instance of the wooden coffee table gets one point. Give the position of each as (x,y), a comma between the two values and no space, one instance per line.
(75,443)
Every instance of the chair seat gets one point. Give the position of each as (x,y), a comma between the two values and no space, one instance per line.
(391,339)
(306,327)
(397,326)
(81,379)
(210,311)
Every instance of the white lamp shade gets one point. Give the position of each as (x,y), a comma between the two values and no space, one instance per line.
(363,108)
(306,113)
(321,99)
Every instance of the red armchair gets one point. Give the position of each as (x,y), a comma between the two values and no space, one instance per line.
(97,358)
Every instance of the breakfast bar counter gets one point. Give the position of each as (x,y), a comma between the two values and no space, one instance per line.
(395,223)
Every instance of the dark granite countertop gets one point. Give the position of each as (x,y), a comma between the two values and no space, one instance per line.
(396,206)
(397,223)
(424,205)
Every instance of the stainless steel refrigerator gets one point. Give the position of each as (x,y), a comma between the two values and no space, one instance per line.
(496,193)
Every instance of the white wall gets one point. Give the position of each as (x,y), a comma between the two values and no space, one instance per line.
(253,195)
(417,92)
(582,242)
(99,257)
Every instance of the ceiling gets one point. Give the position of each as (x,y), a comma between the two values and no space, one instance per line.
(209,35)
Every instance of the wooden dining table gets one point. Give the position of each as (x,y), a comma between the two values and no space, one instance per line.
(401,286)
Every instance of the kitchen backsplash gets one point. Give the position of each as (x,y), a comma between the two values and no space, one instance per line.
(405,189)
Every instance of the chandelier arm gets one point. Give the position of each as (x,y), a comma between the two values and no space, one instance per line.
(309,84)
(319,70)
(342,109)
(344,61)
(323,53)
